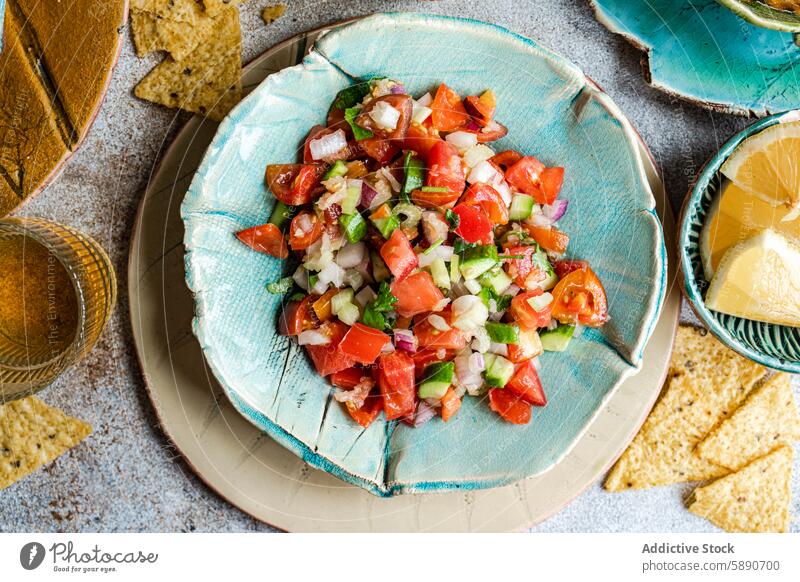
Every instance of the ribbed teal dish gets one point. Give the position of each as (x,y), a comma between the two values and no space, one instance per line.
(552,110)
(775,346)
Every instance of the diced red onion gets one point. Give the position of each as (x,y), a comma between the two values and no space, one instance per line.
(540,220)
(398,89)
(466,376)
(351,255)
(476,363)
(327,145)
(358,394)
(425,412)
(365,296)
(512,290)
(438,322)
(472,126)
(388,348)
(387,175)
(434,226)
(300,277)
(555,210)
(313,337)
(368,194)
(405,340)
(499,349)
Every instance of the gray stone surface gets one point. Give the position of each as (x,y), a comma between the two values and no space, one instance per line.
(127,477)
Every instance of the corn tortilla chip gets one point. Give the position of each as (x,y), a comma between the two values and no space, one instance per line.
(208,81)
(31,435)
(754,499)
(767,420)
(184,10)
(272,13)
(179,38)
(707,382)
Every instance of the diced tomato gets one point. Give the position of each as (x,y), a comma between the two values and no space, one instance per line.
(506,159)
(510,406)
(550,186)
(444,171)
(549,238)
(316,132)
(363,343)
(565,267)
(297,316)
(449,113)
(398,255)
(305,230)
(580,297)
(322,306)
(401,103)
(329,359)
(489,200)
(524,271)
(396,382)
(421,140)
(525,175)
(450,404)
(415,294)
(349,378)
(492,132)
(336,121)
(379,149)
(266,238)
(524,313)
(527,347)
(474,226)
(368,412)
(430,337)
(426,356)
(482,108)
(525,383)
(294,184)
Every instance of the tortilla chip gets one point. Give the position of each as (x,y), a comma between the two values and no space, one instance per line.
(707,383)
(179,38)
(767,419)
(31,435)
(754,499)
(208,81)
(183,10)
(272,13)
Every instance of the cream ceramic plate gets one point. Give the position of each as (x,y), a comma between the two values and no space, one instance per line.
(267,481)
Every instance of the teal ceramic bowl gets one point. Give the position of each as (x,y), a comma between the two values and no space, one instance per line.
(775,346)
(552,110)
(762,14)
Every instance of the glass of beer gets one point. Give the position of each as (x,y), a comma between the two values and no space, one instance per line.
(57,292)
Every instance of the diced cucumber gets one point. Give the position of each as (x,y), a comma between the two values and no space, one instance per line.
(341,299)
(440,275)
(351,199)
(502,333)
(349,314)
(380,272)
(281,214)
(438,377)
(558,339)
(354,227)
(455,273)
(550,282)
(521,207)
(387,225)
(498,370)
(477,260)
(496,280)
(336,170)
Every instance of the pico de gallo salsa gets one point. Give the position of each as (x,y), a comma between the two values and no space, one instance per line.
(432,267)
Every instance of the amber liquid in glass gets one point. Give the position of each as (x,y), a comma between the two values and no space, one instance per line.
(38,307)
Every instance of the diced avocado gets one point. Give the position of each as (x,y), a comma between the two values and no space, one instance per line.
(387,225)
(438,377)
(336,170)
(496,280)
(440,275)
(498,370)
(558,339)
(354,227)
(380,272)
(477,260)
(351,199)
(502,333)
(521,207)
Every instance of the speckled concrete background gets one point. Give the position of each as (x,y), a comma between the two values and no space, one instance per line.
(126,476)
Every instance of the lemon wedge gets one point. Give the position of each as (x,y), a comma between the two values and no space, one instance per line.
(768,166)
(735,216)
(759,279)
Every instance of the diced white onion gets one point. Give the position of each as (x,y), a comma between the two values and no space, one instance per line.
(441,252)
(481,340)
(353,278)
(365,296)
(332,273)
(330,144)
(462,140)
(420,113)
(425,100)
(384,115)
(300,277)
(473,285)
(319,288)
(469,313)
(540,302)
(512,290)
(468,378)
(442,304)
(438,322)
(434,227)
(485,173)
(476,363)
(384,194)
(313,337)
(477,154)
(499,349)
(425,412)
(504,191)
(537,364)
(351,255)
(387,175)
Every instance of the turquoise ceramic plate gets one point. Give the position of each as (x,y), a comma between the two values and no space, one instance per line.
(700,50)
(552,110)
(776,346)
